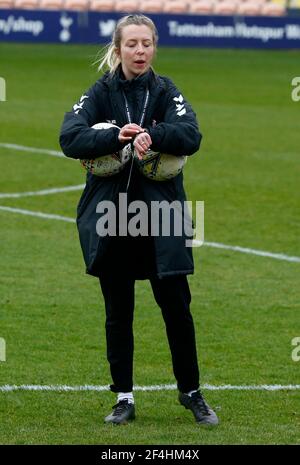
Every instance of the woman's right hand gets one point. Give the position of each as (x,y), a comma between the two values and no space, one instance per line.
(128,132)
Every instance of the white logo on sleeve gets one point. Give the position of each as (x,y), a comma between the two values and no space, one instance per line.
(78,106)
(180,108)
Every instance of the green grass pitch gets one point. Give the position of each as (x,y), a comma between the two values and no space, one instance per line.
(245,307)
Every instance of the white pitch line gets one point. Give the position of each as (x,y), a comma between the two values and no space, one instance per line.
(217,245)
(54,190)
(47,216)
(162,387)
(262,253)
(23,148)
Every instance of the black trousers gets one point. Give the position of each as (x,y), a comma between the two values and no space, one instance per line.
(173,296)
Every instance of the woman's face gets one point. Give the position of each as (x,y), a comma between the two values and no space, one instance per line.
(136,50)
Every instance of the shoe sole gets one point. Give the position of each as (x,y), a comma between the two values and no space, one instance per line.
(124,422)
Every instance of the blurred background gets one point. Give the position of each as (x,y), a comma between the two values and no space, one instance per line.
(222,23)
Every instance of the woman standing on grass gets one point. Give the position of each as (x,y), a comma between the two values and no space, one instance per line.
(151,113)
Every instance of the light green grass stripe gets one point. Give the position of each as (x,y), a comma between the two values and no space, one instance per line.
(160,387)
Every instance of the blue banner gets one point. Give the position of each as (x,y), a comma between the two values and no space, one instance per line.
(174,30)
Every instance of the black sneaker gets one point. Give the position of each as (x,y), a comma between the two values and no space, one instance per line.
(203,414)
(122,413)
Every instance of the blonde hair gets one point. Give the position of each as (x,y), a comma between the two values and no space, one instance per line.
(109,59)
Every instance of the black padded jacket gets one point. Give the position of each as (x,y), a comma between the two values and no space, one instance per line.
(172,125)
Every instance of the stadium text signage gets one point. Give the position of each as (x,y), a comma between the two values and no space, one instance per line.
(174,30)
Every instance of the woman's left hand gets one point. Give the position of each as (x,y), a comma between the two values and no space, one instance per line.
(141,143)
